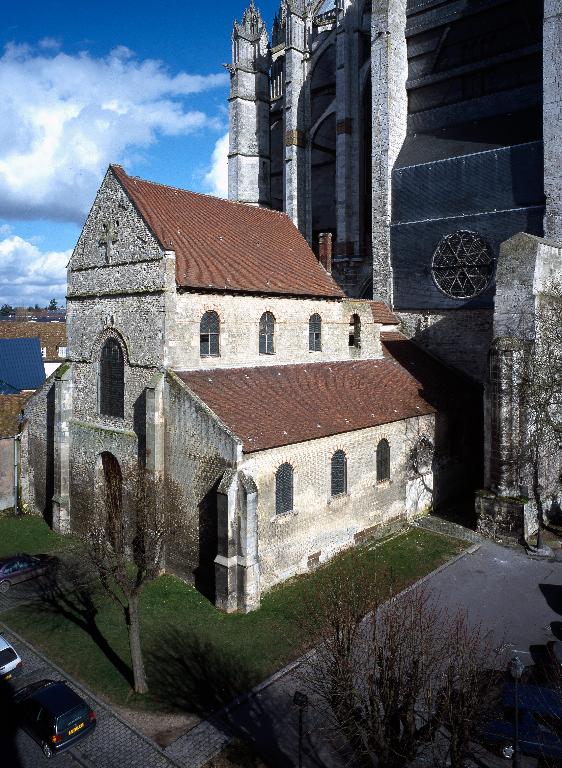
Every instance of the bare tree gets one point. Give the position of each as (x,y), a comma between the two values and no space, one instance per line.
(539,453)
(125,532)
(405,679)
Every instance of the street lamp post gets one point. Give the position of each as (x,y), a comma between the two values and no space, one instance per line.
(516,669)
(300,700)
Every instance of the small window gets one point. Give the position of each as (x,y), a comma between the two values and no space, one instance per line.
(355,331)
(284,489)
(315,333)
(62,351)
(43,352)
(339,473)
(383,461)
(112,380)
(267,334)
(209,332)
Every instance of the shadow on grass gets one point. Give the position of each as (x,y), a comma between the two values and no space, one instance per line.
(70,594)
(192,675)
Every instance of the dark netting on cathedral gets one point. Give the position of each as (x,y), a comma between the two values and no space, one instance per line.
(112,380)
(462,265)
(284,489)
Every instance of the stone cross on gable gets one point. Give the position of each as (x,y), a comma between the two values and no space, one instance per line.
(109,237)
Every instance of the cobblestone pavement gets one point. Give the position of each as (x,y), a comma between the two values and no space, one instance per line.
(113,744)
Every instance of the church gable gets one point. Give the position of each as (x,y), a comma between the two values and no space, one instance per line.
(114,232)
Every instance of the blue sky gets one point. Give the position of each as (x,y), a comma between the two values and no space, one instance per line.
(85,84)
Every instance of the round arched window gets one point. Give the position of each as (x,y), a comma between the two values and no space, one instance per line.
(462,265)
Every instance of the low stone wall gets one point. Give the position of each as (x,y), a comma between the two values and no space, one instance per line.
(500,517)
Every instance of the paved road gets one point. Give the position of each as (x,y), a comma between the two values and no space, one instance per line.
(112,745)
(518,599)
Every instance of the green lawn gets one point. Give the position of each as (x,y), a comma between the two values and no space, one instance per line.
(198,658)
(27,534)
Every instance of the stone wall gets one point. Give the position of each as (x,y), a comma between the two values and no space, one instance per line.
(6,473)
(239,341)
(461,338)
(320,525)
(552,118)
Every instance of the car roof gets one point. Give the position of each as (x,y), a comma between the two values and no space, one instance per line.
(57,697)
(557,650)
(535,698)
(4,643)
(10,558)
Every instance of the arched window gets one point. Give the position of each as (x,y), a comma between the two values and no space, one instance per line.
(284,489)
(267,334)
(383,461)
(339,473)
(112,380)
(315,333)
(209,331)
(354,331)
(113,481)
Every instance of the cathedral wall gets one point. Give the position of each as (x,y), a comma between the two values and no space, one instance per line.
(320,526)
(552,118)
(37,451)
(460,338)
(239,340)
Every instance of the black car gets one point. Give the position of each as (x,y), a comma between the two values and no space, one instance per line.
(22,567)
(53,715)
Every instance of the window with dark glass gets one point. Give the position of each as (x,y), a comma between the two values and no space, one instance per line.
(339,473)
(383,461)
(284,489)
(315,333)
(112,379)
(355,331)
(209,332)
(267,334)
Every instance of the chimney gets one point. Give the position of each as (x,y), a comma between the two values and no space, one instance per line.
(325,250)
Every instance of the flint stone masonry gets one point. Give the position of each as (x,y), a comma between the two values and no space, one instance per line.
(239,331)
(287,541)
(552,118)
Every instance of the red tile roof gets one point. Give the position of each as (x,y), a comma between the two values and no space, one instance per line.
(382,313)
(270,406)
(10,408)
(221,245)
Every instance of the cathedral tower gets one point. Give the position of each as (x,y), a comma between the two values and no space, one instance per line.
(248,159)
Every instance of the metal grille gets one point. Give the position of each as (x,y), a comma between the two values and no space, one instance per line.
(209,331)
(355,331)
(267,333)
(462,265)
(315,333)
(284,489)
(339,473)
(383,461)
(112,380)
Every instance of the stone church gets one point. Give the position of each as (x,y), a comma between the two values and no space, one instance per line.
(335,347)
(207,341)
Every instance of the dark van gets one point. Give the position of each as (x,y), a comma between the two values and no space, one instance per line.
(53,715)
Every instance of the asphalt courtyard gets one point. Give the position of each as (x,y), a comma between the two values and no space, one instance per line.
(519,600)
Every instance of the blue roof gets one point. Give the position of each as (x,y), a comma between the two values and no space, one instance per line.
(21,365)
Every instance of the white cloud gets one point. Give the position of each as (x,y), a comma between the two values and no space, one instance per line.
(29,275)
(216,179)
(64,118)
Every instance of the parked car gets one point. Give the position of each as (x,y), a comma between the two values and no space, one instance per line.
(554,651)
(10,662)
(22,567)
(540,723)
(53,715)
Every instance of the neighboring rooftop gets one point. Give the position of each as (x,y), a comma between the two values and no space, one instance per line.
(21,365)
(383,314)
(227,246)
(52,336)
(11,407)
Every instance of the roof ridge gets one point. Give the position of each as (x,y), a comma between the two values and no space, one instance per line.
(198,194)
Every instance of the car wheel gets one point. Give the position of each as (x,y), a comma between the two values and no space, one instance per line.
(4,586)
(47,751)
(507,751)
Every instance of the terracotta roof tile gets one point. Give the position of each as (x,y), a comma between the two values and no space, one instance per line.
(382,314)
(221,245)
(271,406)
(51,335)
(10,409)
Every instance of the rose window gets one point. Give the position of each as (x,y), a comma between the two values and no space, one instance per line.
(462,265)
